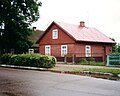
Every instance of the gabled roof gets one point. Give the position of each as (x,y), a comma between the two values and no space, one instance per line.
(35,36)
(84,34)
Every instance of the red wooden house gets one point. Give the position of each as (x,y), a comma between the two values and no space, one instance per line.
(78,41)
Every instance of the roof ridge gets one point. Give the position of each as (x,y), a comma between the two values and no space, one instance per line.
(73,24)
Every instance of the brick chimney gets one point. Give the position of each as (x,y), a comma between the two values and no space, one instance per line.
(82,24)
(34,28)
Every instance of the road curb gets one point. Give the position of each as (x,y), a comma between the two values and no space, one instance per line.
(24,67)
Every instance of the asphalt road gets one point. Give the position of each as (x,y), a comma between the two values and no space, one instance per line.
(16,82)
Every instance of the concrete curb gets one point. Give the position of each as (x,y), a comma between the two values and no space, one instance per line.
(30,68)
(24,67)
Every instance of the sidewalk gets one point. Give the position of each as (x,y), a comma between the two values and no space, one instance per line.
(70,67)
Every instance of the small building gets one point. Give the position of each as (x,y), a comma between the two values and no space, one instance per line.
(34,37)
(74,42)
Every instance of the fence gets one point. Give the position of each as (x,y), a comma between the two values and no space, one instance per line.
(74,57)
(113,60)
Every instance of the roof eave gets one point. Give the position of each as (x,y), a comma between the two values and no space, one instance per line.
(44,32)
(59,27)
(96,42)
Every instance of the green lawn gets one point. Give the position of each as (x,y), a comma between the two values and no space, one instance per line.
(104,70)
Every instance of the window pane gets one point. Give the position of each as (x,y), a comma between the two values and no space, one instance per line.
(88,50)
(47,50)
(55,34)
(63,50)
(31,51)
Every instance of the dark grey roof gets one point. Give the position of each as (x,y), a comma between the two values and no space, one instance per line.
(35,36)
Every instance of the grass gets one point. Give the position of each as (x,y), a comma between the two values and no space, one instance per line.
(103,70)
(96,74)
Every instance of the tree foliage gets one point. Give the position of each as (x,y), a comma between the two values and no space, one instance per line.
(15,18)
(115,47)
(118,48)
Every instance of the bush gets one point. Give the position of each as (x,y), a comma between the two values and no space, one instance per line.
(91,60)
(86,61)
(4,59)
(32,60)
(82,61)
(16,60)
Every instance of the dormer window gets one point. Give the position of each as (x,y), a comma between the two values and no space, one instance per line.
(55,34)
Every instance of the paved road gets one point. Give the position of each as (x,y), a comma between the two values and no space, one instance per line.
(15,82)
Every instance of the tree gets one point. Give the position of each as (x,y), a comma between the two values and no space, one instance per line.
(114,46)
(15,18)
(118,48)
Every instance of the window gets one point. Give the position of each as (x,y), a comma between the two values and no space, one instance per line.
(12,51)
(31,51)
(88,50)
(63,50)
(47,50)
(55,34)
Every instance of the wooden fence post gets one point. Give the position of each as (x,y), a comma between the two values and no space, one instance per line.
(65,58)
(73,59)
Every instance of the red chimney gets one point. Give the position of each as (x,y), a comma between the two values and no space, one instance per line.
(82,24)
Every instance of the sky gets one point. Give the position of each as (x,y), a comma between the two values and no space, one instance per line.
(103,15)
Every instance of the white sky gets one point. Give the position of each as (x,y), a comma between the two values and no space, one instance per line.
(101,14)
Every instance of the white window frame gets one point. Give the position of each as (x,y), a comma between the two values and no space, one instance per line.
(88,51)
(31,51)
(63,51)
(55,34)
(12,51)
(47,50)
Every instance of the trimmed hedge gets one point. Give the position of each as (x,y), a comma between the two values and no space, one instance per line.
(32,60)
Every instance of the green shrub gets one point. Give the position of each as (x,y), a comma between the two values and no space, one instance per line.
(16,60)
(91,60)
(33,60)
(47,61)
(82,61)
(4,59)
